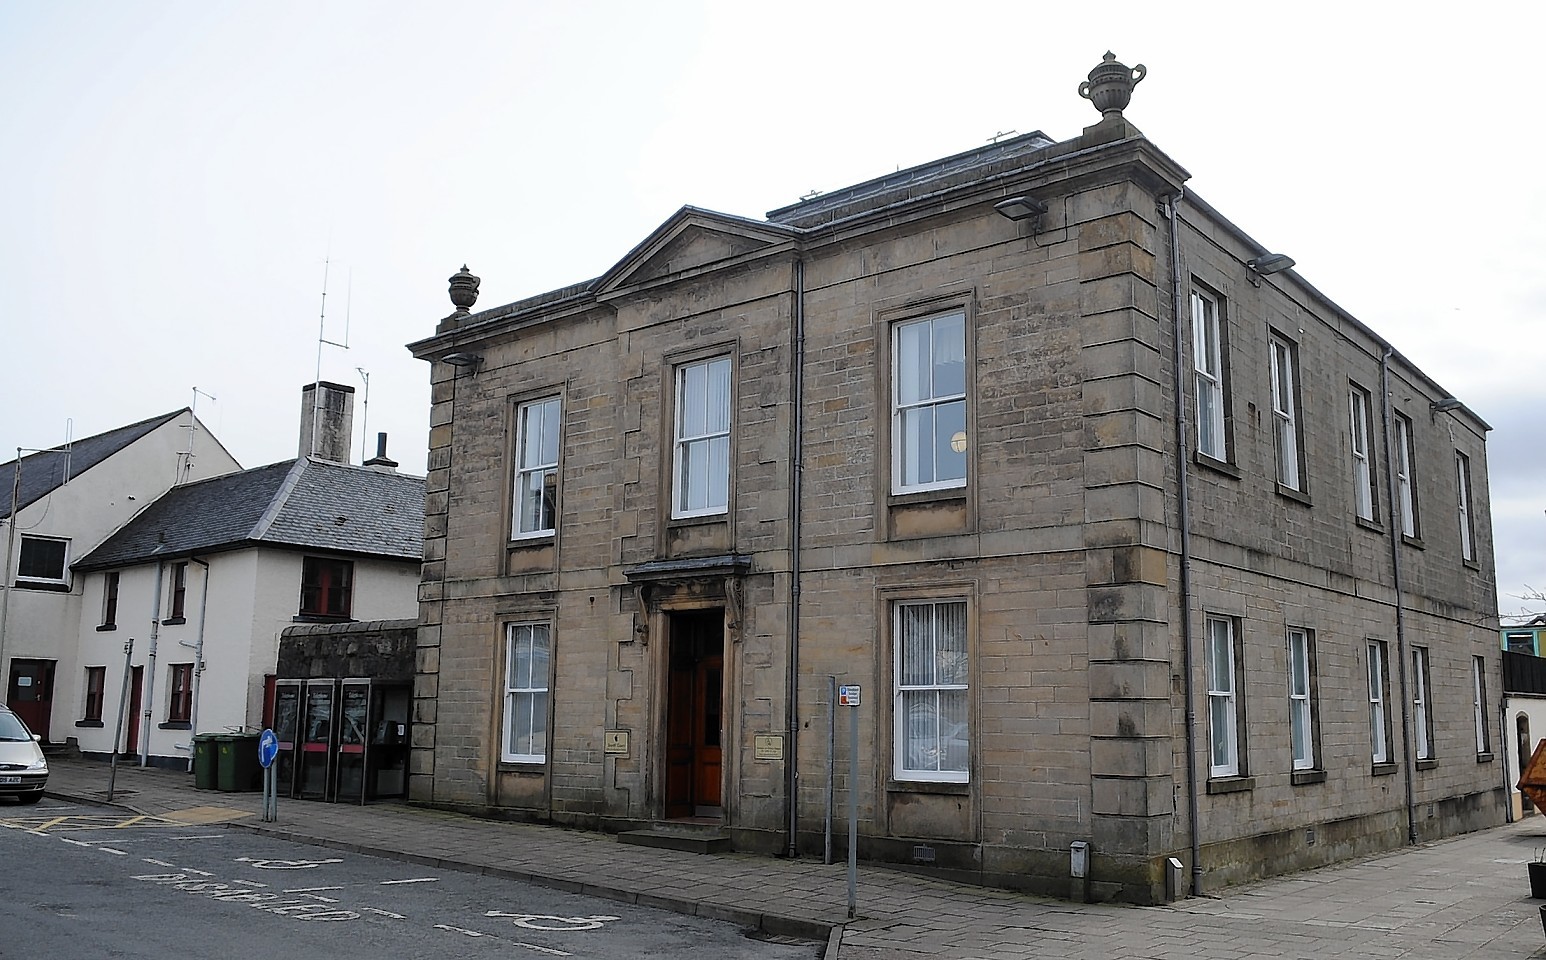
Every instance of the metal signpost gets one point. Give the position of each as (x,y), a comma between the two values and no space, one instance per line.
(268,749)
(848,696)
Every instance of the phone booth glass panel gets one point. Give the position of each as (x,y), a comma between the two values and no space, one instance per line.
(287,723)
(353,727)
(318,735)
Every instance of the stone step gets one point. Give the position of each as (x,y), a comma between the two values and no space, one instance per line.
(688,841)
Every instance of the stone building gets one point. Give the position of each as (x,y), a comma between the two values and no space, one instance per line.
(1128,536)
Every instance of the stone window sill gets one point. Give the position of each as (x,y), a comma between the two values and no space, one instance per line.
(1297,496)
(1217,466)
(1382,769)
(1231,785)
(943,788)
(1427,764)
(1303,777)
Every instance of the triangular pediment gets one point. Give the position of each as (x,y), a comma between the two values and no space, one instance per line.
(689,241)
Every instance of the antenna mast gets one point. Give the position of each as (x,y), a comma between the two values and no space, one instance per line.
(185,458)
(364,414)
(316,390)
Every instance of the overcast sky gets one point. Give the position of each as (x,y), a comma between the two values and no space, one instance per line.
(176,176)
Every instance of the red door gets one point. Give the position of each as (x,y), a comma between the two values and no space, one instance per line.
(31,693)
(131,744)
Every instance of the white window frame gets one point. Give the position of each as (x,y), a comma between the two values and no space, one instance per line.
(1223,698)
(1285,412)
(1301,698)
(1208,361)
(1379,729)
(64,564)
(959,683)
(1363,455)
(526,697)
(1406,488)
(1479,705)
(1422,722)
(536,466)
(1463,496)
(702,441)
(906,461)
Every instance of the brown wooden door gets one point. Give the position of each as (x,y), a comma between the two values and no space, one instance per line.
(131,744)
(694,771)
(31,693)
(707,762)
(679,745)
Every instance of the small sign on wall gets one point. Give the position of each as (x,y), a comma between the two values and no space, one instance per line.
(616,742)
(848,695)
(770,746)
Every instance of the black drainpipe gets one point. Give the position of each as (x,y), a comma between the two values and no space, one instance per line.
(1395,566)
(796,473)
(1184,510)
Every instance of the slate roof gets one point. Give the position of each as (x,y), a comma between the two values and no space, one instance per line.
(305,504)
(44,472)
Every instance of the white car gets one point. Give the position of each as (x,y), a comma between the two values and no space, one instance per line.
(23,770)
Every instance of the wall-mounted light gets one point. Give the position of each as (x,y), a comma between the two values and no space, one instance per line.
(1267,264)
(1020,208)
(1444,406)
(464,360)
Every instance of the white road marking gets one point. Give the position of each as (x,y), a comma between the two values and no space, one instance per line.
(200,873)
(385,883)
(529,921)
(159,863)
(250,883)
(270,902)
(310,889)
(263,864)
(514,943)
(384,913)
(82,843)
(120,853)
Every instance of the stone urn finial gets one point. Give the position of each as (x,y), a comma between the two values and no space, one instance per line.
(464,291)
(1111,84)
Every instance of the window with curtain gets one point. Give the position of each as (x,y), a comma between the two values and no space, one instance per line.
(526,693)
(933,736)
(701,473)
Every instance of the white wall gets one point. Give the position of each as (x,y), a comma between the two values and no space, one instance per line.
(226,619)
(42,624)
(254,594)
(1533,709)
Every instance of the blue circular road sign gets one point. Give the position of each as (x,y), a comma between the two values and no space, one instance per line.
(268,747)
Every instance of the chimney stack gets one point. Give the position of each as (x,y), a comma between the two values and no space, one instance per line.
(327,424)
(380,461)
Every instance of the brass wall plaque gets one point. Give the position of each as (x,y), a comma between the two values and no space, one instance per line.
(616,742)
(770,746)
